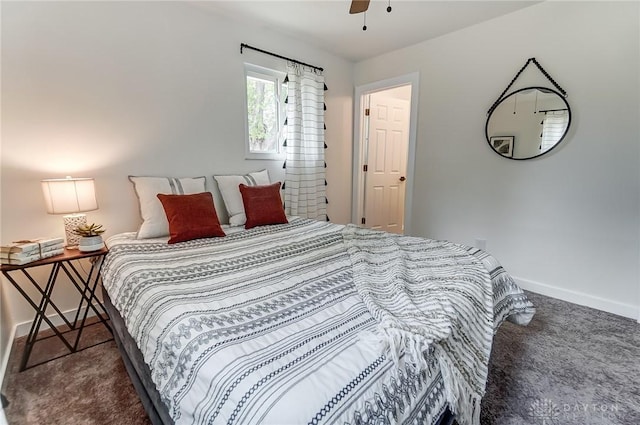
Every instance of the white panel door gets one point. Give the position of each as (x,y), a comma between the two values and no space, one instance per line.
(386,163)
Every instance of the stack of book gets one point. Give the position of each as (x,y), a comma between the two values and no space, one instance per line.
(23,252)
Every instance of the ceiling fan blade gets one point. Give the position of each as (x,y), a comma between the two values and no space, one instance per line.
(359,6)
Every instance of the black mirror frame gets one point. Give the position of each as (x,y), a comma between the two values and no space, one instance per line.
(486,126)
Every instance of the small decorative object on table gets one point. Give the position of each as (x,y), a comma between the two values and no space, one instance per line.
(90,237)
(29,250)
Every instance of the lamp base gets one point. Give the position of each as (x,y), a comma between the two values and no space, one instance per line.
(71,223)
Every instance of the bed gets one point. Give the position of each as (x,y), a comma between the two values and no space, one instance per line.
(307,322)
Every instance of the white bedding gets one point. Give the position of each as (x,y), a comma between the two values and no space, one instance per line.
(264,326)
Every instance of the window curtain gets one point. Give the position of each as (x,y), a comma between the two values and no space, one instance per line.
(305,174)
(553,126)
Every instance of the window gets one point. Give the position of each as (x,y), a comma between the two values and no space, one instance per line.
(265,96)
(553,127)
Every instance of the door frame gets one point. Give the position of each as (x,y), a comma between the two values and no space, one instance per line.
(357,203)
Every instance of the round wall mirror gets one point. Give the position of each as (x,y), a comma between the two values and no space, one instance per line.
(528,123)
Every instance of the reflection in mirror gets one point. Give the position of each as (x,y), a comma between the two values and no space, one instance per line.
(528,123)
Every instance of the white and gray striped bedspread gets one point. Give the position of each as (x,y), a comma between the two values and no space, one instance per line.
(266,326)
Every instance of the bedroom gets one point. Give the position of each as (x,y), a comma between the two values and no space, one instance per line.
(113,89)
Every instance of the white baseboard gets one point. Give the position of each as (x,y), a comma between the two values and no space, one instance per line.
(22,329)
(3,368)
(5,356)
(575,297)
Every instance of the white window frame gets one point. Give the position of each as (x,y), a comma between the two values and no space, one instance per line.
(277,77)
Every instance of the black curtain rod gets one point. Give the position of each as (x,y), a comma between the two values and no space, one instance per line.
(554,110)
(246,46)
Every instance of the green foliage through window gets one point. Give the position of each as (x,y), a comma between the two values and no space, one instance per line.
(265,110)
(262,115)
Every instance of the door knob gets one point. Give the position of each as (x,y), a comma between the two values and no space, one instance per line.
(403,178)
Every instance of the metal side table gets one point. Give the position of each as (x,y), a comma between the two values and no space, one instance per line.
(85,283)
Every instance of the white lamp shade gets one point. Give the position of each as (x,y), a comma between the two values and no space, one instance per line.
(70,195)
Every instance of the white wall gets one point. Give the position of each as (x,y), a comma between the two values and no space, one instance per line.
(402,92)
(565,224)
(109,89)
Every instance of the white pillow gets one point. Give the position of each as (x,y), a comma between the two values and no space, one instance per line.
(154,220)
(230,189)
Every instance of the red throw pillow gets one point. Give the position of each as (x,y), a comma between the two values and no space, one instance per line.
(191,216)
(262,205)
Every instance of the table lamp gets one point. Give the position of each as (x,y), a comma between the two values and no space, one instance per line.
(70,196)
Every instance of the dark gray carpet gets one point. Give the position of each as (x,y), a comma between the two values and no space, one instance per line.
(571,365)
(90,387)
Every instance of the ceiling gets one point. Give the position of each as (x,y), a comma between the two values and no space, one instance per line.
(328,25)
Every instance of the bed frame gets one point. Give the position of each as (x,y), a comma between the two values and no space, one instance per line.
(136,367)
